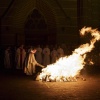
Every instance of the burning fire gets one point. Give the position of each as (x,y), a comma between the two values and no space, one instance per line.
(68,67)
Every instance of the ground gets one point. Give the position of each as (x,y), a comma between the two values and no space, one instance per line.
(14,85)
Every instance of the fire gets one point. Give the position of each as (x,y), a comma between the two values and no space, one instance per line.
(70,66)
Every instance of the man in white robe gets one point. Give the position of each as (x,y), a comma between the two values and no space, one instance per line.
(20,57)
(53,55)
(38,54)
(7,58)
(46,56)
(31,63)
(60,52)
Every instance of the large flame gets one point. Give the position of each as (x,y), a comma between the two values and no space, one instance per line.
(70,66)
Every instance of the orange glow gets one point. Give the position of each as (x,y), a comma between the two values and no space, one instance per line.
(70,66)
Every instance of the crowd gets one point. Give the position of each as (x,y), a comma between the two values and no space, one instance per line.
(28,58)
(31,59)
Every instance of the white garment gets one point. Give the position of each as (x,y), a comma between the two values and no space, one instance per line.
(46,56)
(7,60)
(60,52)
(31,64)
(18,58)
(38,55)
(53,56)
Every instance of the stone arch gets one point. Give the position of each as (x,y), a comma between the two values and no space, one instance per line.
(19,14)
(36,28)
(40,26)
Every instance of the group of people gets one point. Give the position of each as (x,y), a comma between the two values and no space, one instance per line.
(32,57)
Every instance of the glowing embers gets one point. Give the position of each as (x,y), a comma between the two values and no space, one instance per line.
(68,67)
(49,78)
(58,79)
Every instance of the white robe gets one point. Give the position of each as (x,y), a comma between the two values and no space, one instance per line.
(53,56)
(60,52)
(7,60)
(38,55)
(46,56)
(31,64)
(18,58)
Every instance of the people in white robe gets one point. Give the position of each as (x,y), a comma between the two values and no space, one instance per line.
(60,52)
(7,58)
(46,56)
(64,47)
(53,55)
(20,57)
(38,54)
(31,63)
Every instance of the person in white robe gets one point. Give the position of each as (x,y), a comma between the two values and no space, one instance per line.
(53,55)
(60,52)
(38,54)
(46,56)
(7,58)
(31,63)
(20,57)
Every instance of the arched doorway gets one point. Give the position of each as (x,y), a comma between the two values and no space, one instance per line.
(36,30)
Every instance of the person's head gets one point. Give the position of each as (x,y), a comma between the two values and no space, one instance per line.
(33,50)
(21,46)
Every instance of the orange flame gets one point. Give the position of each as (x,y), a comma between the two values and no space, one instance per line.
(70,66)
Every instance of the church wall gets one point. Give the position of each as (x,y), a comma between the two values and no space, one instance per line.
(91,15)
(17,16)
(68,29)
(61,16)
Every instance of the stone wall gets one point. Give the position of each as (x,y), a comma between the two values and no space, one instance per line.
(61,17)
